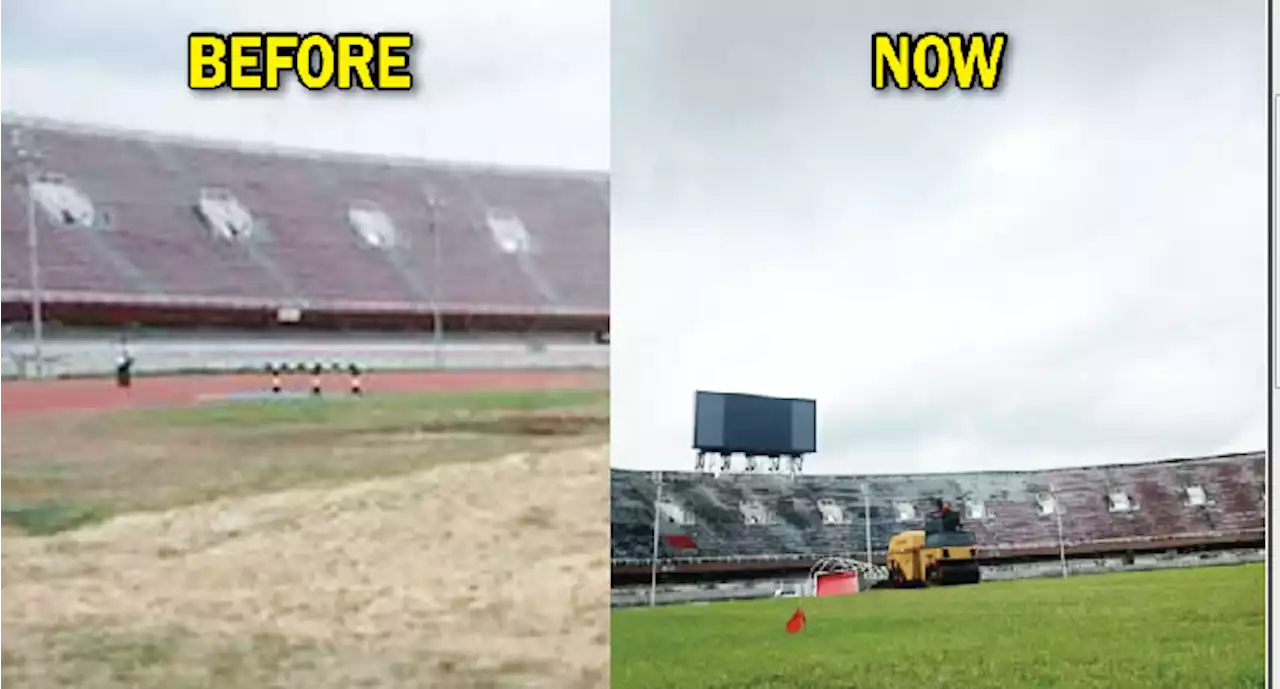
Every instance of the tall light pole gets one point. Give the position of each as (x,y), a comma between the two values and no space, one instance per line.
(866,519)
(28,159)
(653,561)
(1062,544)
(437,327)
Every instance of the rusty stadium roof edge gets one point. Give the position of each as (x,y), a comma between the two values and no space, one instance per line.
(13,119)
(1223,457)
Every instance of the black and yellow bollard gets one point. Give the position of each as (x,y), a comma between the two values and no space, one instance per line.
(276,384)
(316,383)
(356,388)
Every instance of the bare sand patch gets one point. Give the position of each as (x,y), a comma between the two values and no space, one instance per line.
(481,574)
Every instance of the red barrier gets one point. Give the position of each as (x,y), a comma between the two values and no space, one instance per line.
(837,584)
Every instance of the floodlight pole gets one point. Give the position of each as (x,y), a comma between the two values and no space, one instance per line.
(33,257)
(866,519)
(1062,544)
(653,562)
(437,328)
(37,288)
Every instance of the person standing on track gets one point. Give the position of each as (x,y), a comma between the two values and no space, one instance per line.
(124,371)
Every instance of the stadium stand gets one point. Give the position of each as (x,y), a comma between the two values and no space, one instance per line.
(139,230)
(1180,503)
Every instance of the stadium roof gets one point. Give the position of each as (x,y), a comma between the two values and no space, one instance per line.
(10,119)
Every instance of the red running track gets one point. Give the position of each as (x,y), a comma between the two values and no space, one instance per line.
(25,397)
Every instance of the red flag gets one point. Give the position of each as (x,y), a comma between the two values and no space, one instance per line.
(796,623)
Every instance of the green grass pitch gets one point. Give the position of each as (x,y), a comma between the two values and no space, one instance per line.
(1143,630)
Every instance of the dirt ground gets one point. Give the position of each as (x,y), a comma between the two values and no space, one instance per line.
(478,573)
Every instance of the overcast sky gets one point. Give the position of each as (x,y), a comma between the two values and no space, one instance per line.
(1069,271)
(496,80)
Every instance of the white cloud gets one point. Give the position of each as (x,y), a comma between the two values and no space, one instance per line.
(499,80)
(1072,271)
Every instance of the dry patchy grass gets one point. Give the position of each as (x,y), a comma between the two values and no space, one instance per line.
(64,471)
(477,573)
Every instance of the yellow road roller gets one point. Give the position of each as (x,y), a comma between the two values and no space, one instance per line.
(943,554)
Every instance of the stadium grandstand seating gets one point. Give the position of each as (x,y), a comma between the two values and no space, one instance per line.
(1147,506)
(133,219)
